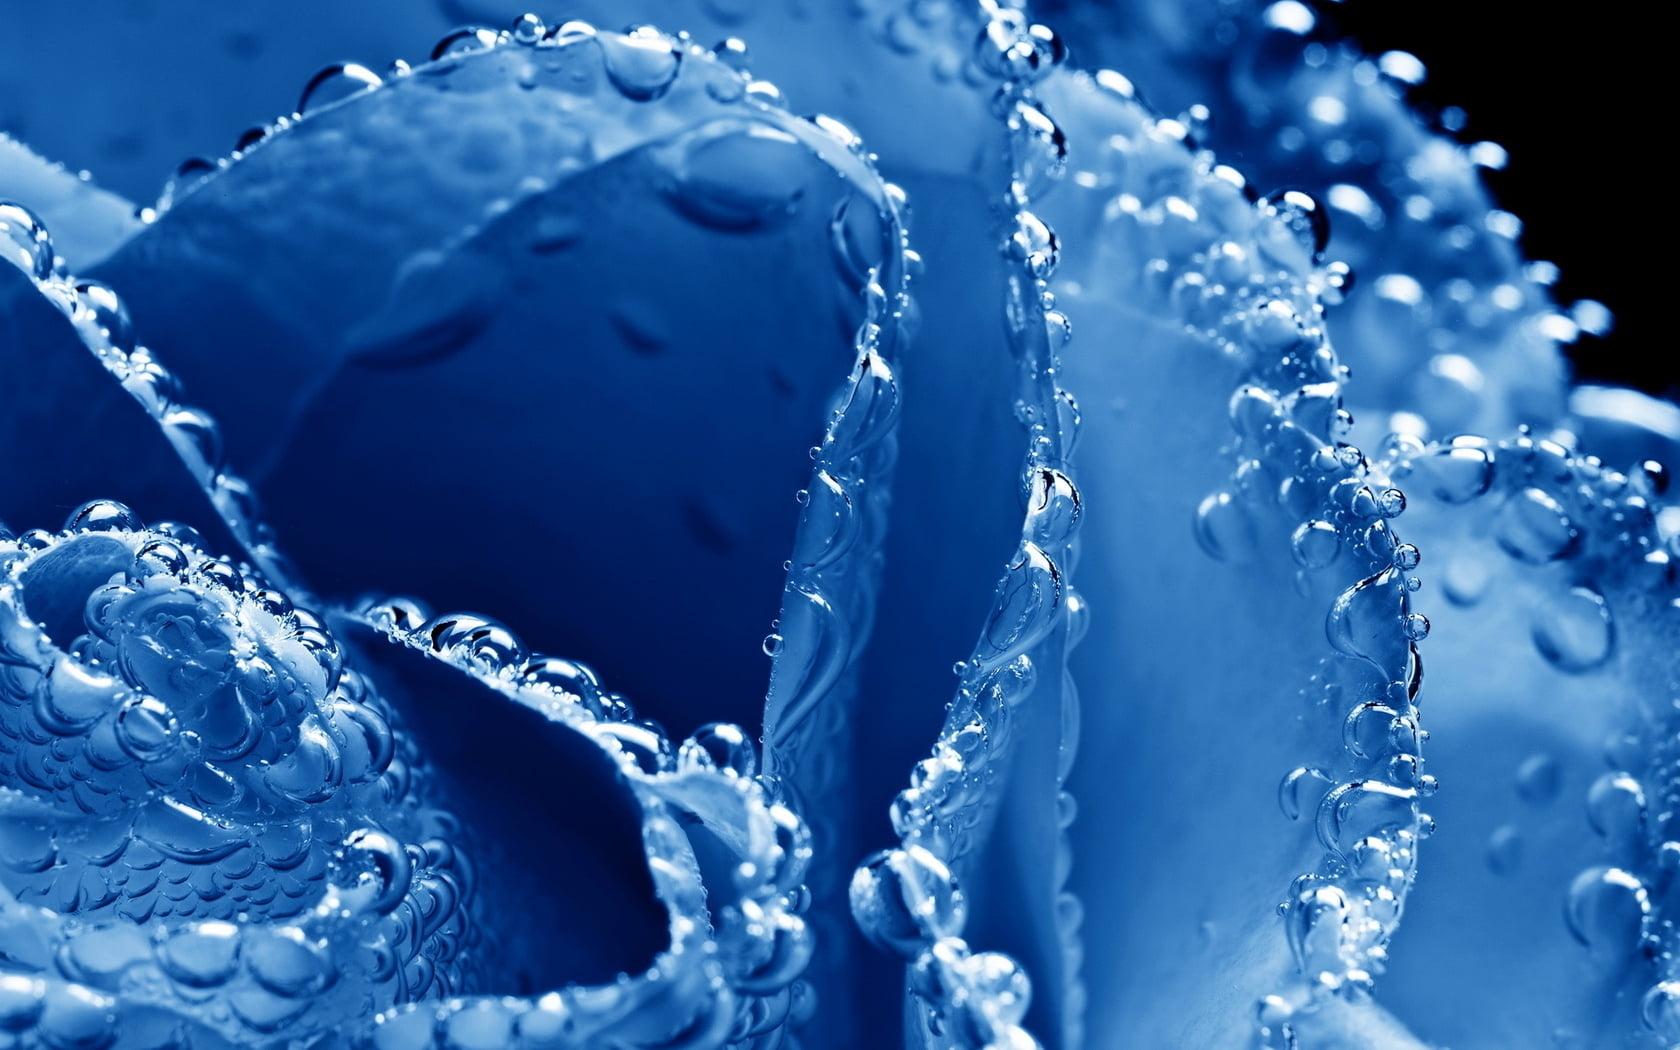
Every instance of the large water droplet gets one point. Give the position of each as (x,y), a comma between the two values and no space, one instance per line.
(1616,807)
(1573,630)
(1607,910)
(24,241)
(335,84)
(736,175)
(1532,527)
(906,898)
(1223,528)
(1459,471)
(642,64)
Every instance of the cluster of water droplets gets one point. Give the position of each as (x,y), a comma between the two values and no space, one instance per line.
(907,899)
(730,974)
(1248,278)
(210,823)
(102,321)
(1447,323)
(1601,543)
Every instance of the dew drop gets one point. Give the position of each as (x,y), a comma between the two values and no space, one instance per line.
(1533,528)
(906,898)
(24,241)
(736,175)
(642,64)
(1300,229)
(465,41)
(1616,808)
(1301,789)
(335,84)
(723,746)
(1458,472)
(105,312)
(528,29)
(1607,910)
(1224,530)
(1315,544)
(1573,630)
(1660,1010)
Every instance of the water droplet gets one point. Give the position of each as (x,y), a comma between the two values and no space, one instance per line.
(1301,789)
(906,898)
(24,241)
(203,956)
(103,515)
(723,746)
(735,54)
(335,84)
(1533,528)
(1539,779)
(386,871)
(1224,530)
(1299,231)
(1369,620)
(1573,630)
(1616,807)
(1457,472)
(1034,244)
(736,174)
(102,310)
(528,29)
(1008,48)
(1660,1010)
(642,64)
(1038,151)
(1504,850)
(1607,911)
(1315,544)
(465,41)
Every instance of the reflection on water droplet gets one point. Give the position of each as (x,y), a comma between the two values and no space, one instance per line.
(24,241)
(1660,1010)
(1224,530)
(1458,471)
(1616,807)
(335,84)
(1607,911)
(1573,630)
(1301,789)
(642,64)
(1315,544)
(736,174)
(905,898)
(1532,527)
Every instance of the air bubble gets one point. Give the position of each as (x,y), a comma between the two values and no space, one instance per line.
(1315,544)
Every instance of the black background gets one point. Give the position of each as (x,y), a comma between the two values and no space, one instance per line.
(1573,95)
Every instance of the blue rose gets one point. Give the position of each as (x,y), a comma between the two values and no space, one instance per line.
(552,325)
